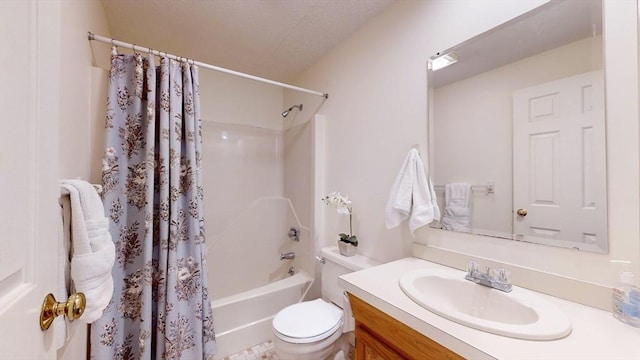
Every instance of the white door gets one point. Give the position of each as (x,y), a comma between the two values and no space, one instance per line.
(29,73)
(559,163)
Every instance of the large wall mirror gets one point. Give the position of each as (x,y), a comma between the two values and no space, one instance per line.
(517,129)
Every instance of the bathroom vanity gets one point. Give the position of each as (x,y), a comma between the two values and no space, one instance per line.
(389,325)
(379,336)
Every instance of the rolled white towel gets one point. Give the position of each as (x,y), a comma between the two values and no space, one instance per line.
(457,211)
(93,249)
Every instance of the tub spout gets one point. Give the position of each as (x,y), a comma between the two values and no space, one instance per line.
(287,256)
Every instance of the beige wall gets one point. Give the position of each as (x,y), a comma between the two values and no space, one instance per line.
(378,109)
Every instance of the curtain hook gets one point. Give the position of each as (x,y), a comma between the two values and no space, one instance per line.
(134,49)
(114,48)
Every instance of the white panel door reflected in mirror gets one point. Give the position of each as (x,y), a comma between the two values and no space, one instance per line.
(521,107)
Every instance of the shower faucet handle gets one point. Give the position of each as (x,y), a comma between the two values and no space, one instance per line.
(287,256)
(294,234)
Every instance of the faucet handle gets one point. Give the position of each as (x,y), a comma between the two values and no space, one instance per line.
(472,267)
(502,275)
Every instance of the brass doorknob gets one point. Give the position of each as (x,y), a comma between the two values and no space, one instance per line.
(522,212)
(72,309)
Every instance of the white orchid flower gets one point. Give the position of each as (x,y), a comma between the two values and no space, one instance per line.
(343,207)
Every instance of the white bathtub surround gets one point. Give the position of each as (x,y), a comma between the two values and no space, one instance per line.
(244,319)
(256,236)
(596,334)
(250,219)
(265,351)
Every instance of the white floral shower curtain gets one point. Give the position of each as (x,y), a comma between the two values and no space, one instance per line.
(153,194)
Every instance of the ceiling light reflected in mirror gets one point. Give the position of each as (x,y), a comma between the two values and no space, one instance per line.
(440,62)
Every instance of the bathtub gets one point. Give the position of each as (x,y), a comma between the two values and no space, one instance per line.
(244,319)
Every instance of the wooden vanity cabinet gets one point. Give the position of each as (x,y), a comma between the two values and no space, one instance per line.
(381,337)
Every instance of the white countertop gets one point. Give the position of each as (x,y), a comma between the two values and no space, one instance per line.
(596,334)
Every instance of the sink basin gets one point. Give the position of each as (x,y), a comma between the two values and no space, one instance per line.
(519,314)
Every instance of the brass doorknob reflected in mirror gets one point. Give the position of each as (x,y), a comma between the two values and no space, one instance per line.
(72,309)
(522,212)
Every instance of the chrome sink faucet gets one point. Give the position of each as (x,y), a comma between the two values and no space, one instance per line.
(493,278)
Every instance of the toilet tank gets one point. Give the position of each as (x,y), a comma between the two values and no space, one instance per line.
(337,265)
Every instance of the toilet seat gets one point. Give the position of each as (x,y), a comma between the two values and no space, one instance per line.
(307,322)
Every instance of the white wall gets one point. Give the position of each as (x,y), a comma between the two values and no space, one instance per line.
(81,120)
(474,142)
(378,106)
(232,100)
(81,128)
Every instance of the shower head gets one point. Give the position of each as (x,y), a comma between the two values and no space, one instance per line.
(286,112)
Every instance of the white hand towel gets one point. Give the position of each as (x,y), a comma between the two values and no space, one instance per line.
(93,249)
(457,212)
(412,196)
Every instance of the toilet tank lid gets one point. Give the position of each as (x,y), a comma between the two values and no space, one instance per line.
(355,262)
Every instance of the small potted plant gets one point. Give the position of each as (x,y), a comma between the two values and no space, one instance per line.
(348,244)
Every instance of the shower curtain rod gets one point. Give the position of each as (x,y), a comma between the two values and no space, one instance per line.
(134,47)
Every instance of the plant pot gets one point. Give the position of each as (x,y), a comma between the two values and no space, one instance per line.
(346,249)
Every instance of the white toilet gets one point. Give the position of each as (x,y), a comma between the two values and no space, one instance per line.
(313,330)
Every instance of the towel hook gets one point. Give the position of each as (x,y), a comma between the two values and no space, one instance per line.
(416,147)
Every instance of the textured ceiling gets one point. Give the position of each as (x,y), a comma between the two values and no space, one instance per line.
(276,39)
